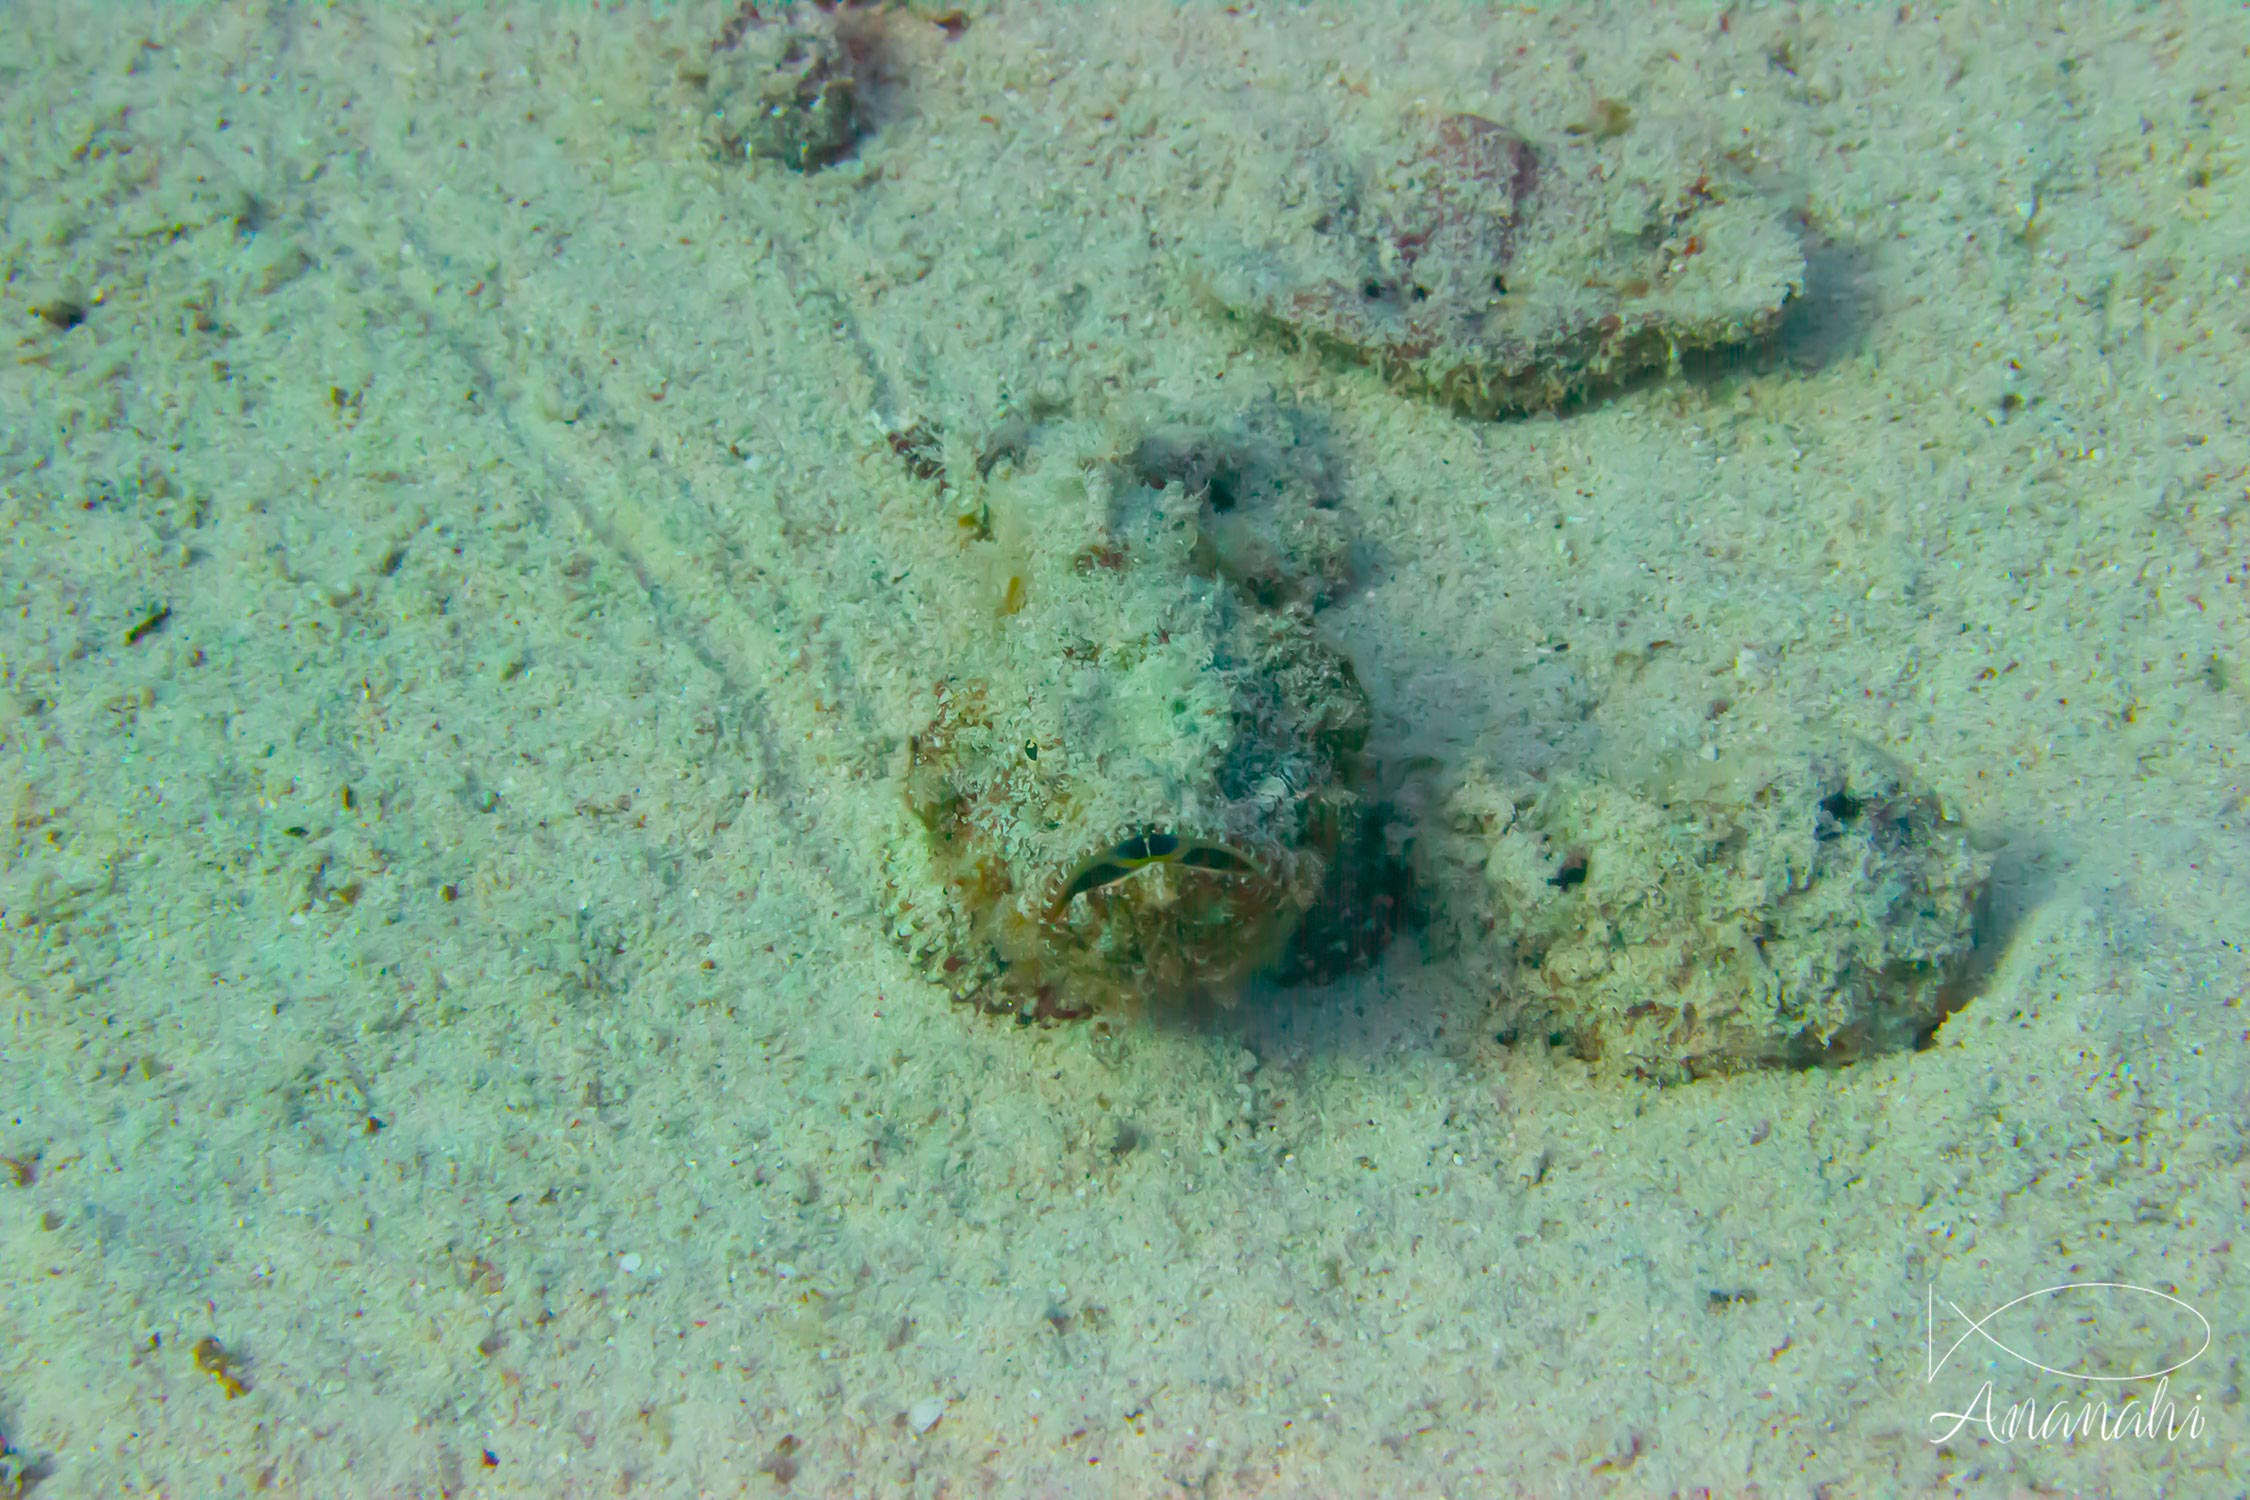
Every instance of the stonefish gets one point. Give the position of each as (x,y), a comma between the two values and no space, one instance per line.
(1149,775)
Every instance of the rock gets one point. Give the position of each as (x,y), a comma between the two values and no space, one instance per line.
(782,86)
(1501,275)
(1818,911)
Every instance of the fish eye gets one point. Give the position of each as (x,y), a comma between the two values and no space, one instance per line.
(1030,749)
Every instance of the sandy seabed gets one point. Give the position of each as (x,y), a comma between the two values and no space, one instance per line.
(462,609)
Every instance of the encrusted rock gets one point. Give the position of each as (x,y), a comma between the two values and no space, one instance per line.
(1502,275)
(1818,911)
(781,83)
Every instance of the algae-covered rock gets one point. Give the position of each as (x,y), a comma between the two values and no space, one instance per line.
(1817,911)
(1140,776)
(781,84)
(1500,274)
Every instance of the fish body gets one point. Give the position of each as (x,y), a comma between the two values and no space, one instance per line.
(1136,786)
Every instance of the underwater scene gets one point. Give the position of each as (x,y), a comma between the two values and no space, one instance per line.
(832,748)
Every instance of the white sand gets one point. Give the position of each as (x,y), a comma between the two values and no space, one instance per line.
(505,460)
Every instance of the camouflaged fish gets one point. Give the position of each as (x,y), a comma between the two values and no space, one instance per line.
(1143,776)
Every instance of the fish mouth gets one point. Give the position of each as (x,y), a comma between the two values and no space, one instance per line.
(1137,851)
(1161,912)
